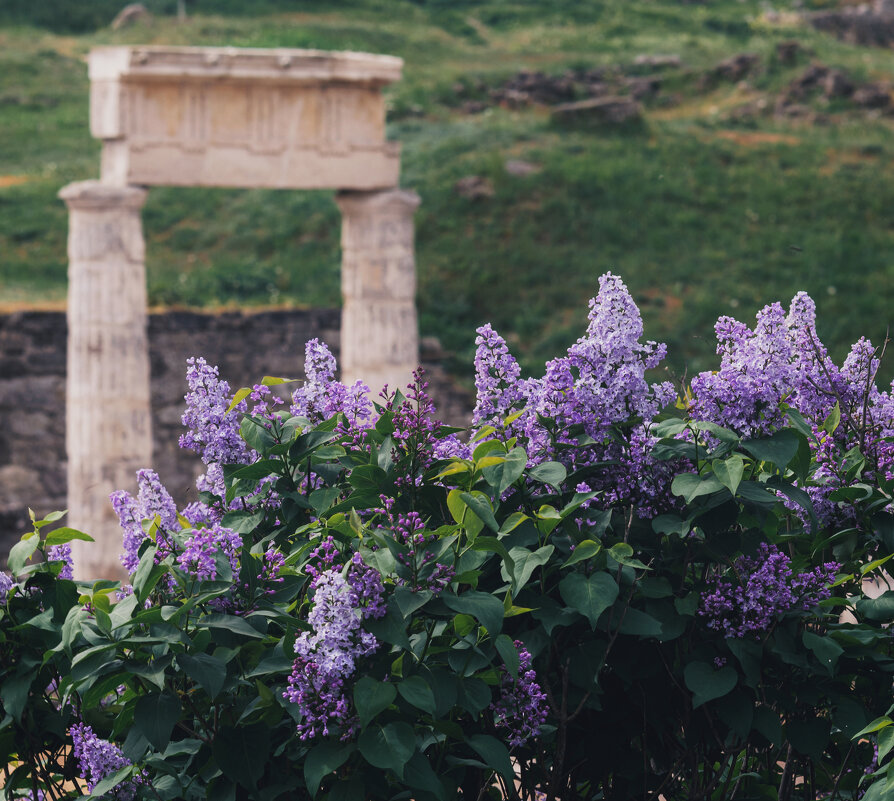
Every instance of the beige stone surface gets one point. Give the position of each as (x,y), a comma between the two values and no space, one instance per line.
(379,330)
(289,119)
(108,436)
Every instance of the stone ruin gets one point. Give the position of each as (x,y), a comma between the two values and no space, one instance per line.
(220,117)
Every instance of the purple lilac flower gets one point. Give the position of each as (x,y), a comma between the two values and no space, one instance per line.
(201,549)
(597,387)
(326,656)
(62,553)
(366,582)
(414,431)
(521,709)
(152,499)
(323,396)
(6,584)
(212,431)
(497,378)
(271,564)
(409,531)
(766,588)
(126,509)
(99,758)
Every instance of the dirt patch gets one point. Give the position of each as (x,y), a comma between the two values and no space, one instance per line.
(757,138)
(835,159)
(13,180)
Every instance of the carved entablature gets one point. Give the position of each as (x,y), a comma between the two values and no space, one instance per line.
(290,119)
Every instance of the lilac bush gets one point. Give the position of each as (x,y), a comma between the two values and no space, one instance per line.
(610,588)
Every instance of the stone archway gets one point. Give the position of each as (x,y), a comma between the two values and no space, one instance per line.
(224,117)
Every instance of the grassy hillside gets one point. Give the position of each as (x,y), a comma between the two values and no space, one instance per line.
(713,205)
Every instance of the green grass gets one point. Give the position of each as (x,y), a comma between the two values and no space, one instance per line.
(701,214)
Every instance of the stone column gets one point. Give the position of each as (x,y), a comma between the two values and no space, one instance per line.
(379,332)
(107,418)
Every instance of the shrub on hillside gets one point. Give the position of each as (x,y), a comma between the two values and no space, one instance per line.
(605,591)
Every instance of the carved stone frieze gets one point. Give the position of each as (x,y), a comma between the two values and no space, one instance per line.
(296,119)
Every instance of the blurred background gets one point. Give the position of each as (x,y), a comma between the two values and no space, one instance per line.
(718,155)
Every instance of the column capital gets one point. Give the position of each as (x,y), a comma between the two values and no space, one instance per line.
(98,196)
(385,200)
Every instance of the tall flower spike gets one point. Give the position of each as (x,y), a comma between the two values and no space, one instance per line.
(212,431)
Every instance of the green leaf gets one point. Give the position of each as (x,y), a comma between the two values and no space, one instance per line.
(589,595)
(583,551)
(155,716)
(65,534)
(462,514)
(708,683)
(14,694)
(419,774)
(391,628)
(729,471)
(876,725)
(205,670)
(833,420)
(480,505)
(110,782)
(767,723)
(240,395)
(484,607)
(877,609)
(494,754)
(525,563)
(242,753)
(504,475)
(416,691)
(236,625)
(322,760)
(780,448)
(371,697)
(622,553)
(388,747)
(826,650)
(509,653)
(691,485)
(550,473)
(512,522)
(147,574)
(885,743)
(22,551)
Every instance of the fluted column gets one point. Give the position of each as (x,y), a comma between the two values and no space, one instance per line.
(107,417)
(379,332)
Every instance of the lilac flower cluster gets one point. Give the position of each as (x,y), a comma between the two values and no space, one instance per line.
(62,553)
(6,584)
(599,385)
(782,364)
(766,588)
(521,709)
(323,396)
(416,444)
(99,758)
(199,555)
(326,656)
(152,499)
(212,430)
(409,531)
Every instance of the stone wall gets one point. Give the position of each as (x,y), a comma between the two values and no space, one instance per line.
(245,345)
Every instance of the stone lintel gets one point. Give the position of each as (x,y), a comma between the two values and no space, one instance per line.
(231,117)
(276,65)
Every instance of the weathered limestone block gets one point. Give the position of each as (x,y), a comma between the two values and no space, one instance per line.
(291,119)
(107,417)
(379,332)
